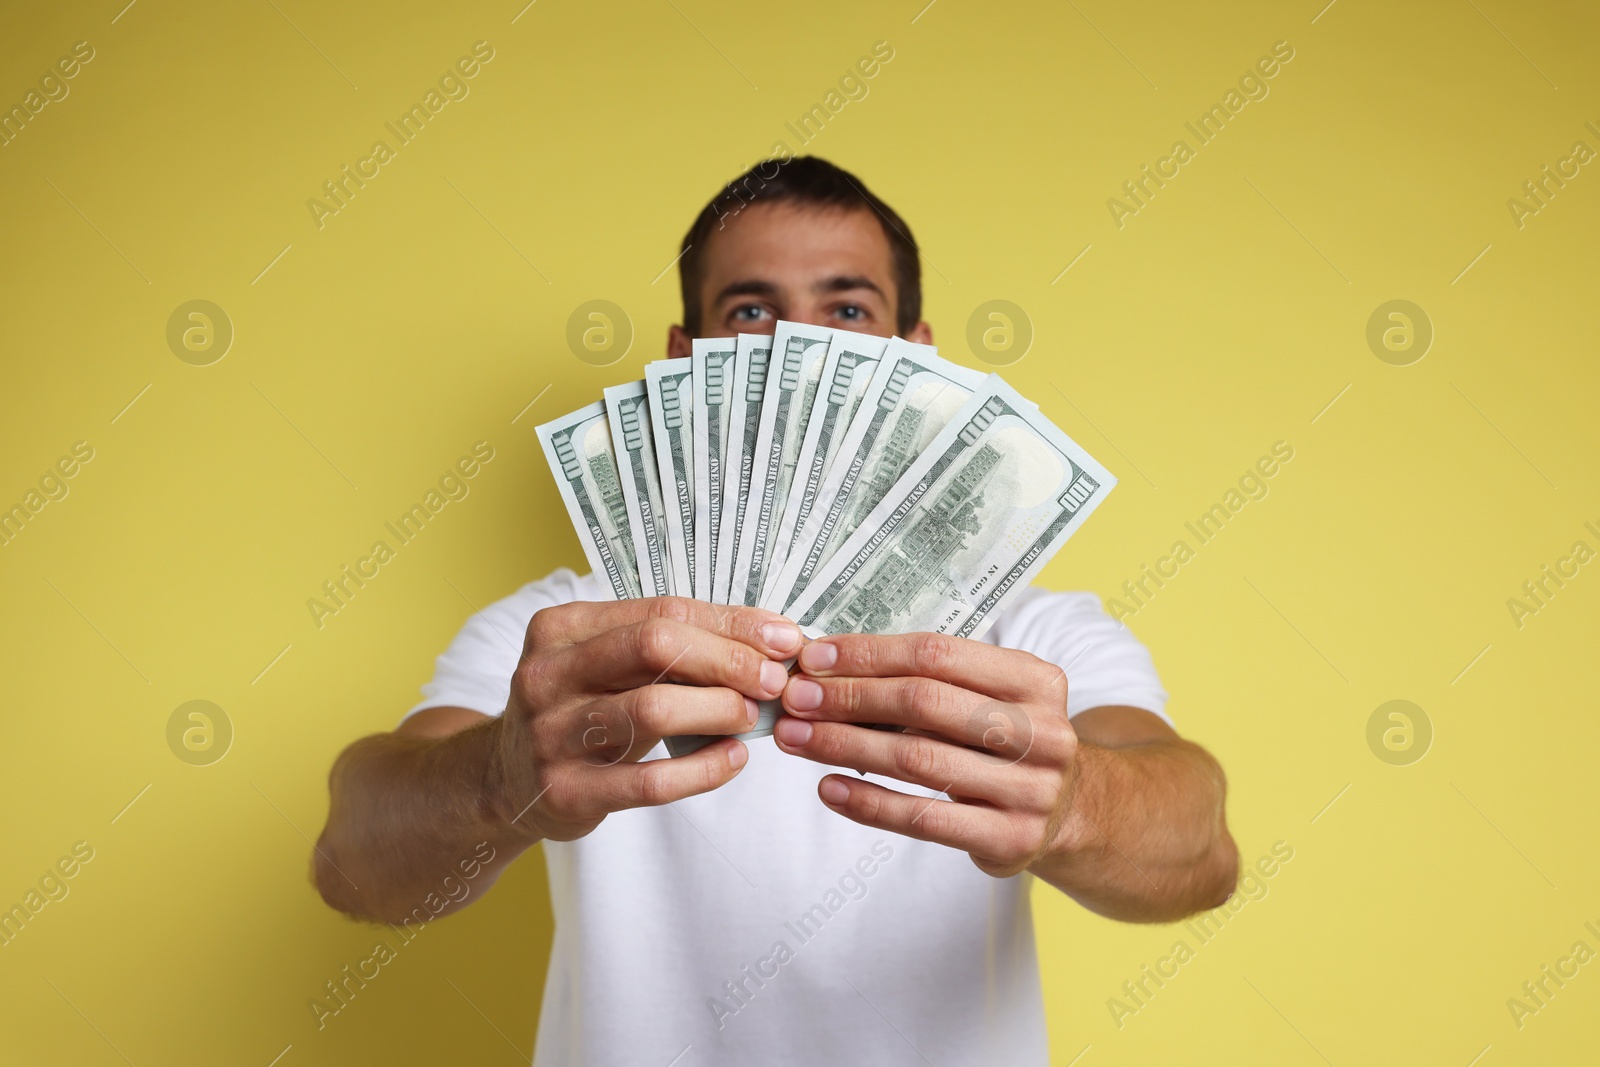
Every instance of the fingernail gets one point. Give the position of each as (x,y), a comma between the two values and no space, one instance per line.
(804,694)
(773,676)
(752,711)
(819,656)
(833,791)
(781,636)
(793,732)
(737,755)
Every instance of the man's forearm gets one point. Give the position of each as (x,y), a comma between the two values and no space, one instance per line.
(406,813)
(1145,839)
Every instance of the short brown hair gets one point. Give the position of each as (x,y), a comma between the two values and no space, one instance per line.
(800,180)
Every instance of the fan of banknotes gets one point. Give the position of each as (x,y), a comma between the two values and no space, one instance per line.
(856,484)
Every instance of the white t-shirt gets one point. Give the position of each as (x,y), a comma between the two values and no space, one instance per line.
(751,925)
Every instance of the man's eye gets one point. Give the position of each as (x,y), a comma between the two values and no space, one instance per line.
(851,313)
(749,313)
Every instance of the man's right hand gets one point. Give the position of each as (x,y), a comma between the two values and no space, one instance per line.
(600,683)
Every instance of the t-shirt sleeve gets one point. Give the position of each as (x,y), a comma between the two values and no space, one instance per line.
(475,670)
(1105,664)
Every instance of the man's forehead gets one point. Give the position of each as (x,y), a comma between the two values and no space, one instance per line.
(798,244)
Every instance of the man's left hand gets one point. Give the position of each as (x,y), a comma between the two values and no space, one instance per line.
(986,726)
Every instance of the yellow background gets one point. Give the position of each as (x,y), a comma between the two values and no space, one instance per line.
(428,313)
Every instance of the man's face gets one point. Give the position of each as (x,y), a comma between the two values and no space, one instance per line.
(826,267)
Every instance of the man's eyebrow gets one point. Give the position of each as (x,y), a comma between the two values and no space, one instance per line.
(840,283)
(748,287)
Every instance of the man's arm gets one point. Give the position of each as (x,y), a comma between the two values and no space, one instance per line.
(405,808)
(1146,838)
(1112,808)
(597,686)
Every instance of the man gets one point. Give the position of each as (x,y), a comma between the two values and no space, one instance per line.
(743,904)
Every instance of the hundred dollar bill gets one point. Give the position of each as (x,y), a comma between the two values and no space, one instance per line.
(668,384)
(738,455)
(846,374)
(976,516)
(711,371)
(912,396)
(628,408)
(578,449)
(798,352)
